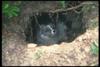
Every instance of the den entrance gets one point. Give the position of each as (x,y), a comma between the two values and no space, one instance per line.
(53,28)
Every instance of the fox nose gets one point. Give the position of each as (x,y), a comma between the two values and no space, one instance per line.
(53,31)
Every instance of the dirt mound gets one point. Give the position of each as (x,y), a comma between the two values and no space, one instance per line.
(17,52)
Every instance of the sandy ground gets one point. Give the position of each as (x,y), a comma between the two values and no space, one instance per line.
(76,53)
(15,52)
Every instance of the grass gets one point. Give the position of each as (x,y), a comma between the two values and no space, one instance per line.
(10,10)
(62,4)
(94,48)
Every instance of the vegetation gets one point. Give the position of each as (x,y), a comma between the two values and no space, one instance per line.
(10,10)
(95,48)
(63,4)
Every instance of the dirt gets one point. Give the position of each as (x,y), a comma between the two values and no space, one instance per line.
(76,53)
(16,52)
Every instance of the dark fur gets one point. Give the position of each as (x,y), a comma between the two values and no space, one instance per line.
(65,29)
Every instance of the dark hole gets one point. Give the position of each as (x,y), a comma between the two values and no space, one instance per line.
(47,30)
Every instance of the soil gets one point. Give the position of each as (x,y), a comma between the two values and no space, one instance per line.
(76,53)
(16,52)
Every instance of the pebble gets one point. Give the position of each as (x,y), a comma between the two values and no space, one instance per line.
(31,45)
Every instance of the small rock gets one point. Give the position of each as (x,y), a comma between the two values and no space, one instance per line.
(31,45)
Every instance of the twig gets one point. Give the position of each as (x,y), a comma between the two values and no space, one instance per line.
(36,20)
(75,10)
(50,15)
(57,17)
(68,9)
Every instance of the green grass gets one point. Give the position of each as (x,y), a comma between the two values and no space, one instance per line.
(94,48)
(10,10)
(62,3)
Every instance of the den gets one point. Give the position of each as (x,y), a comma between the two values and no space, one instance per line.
(50,33)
